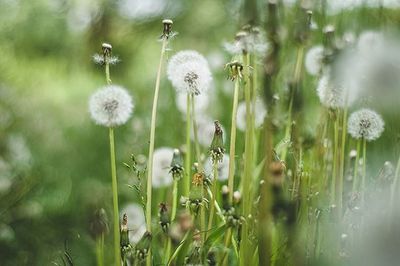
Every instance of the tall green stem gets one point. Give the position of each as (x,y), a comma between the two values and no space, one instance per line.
(173,215)
(334,164)
(213,196)
(341,161)
(151,145)
(248,163)
(115,199)
(100,250)
(356,163)
(188,165)
(232,145)
(364,172)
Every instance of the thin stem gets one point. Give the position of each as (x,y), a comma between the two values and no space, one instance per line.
(248,162)
(232,145)
(187,178)
(200,169)
(364,173)
(115,199)
(341,161)
(334,165)
(173,215)
(151,144)
(394,188)
(356,163)
(213,196)
(99,251)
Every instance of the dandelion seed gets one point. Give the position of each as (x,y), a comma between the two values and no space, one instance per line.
(189,72)
(101,59)
(313,60)
(259,115)
(223,169)
(136,221)
(111,106)
(366,124)
(161,165)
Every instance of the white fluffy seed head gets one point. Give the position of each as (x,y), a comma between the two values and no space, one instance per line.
(332,93)
(161,165)
(259,114)
(366,124)
(313,60)
(189,72)
(111,106)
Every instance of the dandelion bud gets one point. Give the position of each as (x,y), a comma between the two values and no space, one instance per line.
(176,165)
(237,197)
(217,145)
(167,27)
(124,241)
(164,217)
(365,124)
(99,223)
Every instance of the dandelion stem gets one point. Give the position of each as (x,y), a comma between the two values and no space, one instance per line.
(356,162)
(341,161)
(187,178)
(232,144)
(115,198)
(335,154)
(364,173)
(151,144)
(173,215)
(248,161)
(213,195)
(99,250)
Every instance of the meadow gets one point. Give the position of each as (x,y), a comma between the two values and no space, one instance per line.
(183,132)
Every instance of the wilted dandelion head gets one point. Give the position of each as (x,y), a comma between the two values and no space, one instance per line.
(366,124)
(313,60)
(162,159)
(189,72)
(111,106)
(331,93)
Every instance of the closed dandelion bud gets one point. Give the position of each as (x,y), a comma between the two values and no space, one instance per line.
(217,145)
(176,165)
(277,169)
(124,232)
(365,124)
(164,217)
(143,246)
(236,197)
(99,223)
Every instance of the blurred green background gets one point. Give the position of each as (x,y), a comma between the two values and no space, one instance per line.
(54,162)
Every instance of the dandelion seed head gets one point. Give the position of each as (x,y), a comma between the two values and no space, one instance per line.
(332,94)
(223,168)
(250,40)
(162,159)
(370,41)
(259,114)
(189,72)
(365,123)
(111,106)
(136,221)
(313,60)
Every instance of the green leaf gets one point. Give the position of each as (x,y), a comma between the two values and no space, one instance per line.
(181,250)
(214,236)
